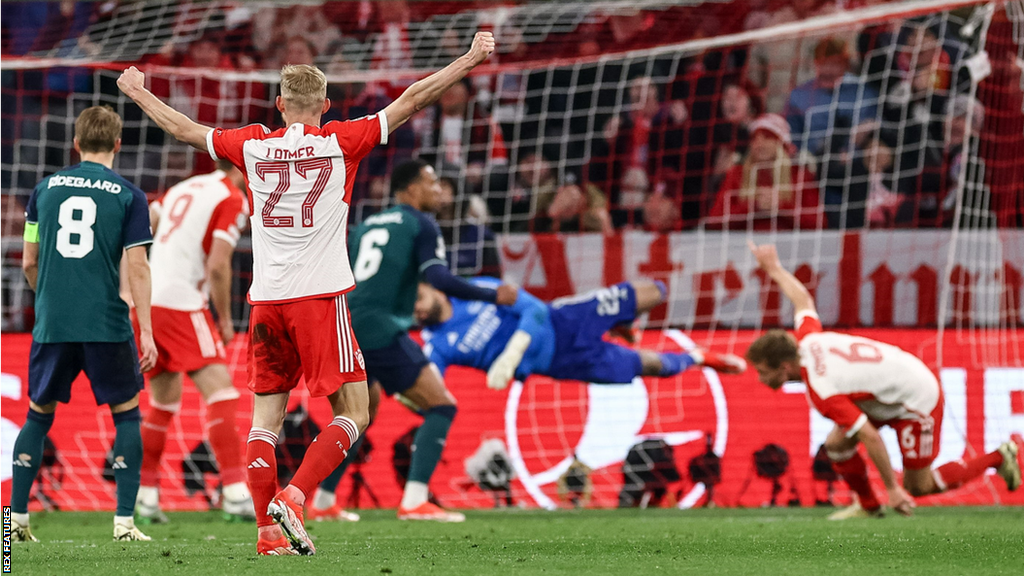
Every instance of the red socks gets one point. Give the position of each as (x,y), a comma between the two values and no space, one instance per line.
(154,437)
(326,452)
(855,472)
(262,471)
(223,435)
(956,474)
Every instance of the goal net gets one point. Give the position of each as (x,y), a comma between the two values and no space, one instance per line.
(878,145)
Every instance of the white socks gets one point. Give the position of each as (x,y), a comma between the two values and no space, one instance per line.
(126,521)
(415,494)
(236,492)
(21,519)
(148,496)
(323,500)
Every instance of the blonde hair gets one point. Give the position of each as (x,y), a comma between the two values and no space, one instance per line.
(782,175)
(303,87)
(98,129)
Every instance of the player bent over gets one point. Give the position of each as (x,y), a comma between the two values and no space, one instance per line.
(196,225)
(300,180)
(861,385)
(78,222)
(562,340)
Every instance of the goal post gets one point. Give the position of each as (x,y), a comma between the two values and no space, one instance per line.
(881,148)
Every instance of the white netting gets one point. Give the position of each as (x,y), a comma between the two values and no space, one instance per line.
(900,204)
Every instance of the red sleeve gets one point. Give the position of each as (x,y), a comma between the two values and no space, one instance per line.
(224,221)
(839,409)
(227,144)
(806,323)
(358,137)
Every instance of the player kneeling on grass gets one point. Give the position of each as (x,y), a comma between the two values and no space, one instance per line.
(196,225)
(861,385)
(562,340)
(77,223)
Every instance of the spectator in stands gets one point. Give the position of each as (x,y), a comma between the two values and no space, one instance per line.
(822,112)
(577,208)
(296,50)
(460,138)
(273,29)
(964,121)
(739,107)
(472,245)
(868,197)
(929,70)
(779,65)
(392,49)
(661,213)
(768,191)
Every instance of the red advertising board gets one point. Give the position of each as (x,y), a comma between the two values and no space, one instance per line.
(545,423)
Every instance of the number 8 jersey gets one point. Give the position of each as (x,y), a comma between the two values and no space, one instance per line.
(300,184)
(82,218)
(851,379)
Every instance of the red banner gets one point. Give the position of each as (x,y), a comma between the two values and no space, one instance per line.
(876,278)
(544,423)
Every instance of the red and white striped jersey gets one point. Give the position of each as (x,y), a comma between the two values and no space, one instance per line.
(300,183)
(192,214)
(851,379)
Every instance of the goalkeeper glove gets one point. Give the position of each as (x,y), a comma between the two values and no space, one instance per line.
(505,365)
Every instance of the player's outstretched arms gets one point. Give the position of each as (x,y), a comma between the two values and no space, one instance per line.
(426,91)
(133,83)
(899,500)
(142,289)
(768,259)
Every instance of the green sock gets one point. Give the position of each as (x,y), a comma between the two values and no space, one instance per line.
(28,456)
(428,443)
(127,459)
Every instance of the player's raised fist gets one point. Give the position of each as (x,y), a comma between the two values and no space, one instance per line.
(131,81)
(766,255)
(483,45)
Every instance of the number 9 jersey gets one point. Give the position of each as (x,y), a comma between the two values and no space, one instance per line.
(83,217)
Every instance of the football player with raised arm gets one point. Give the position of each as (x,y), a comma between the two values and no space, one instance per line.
(300,182)
(78,223)
(861,385)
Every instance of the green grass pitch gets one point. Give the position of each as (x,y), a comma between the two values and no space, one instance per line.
(937,541)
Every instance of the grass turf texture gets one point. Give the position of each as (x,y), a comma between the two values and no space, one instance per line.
(937,541)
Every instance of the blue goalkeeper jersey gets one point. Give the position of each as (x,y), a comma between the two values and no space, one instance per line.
(477,333)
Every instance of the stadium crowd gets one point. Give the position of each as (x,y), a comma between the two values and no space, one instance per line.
(737,138)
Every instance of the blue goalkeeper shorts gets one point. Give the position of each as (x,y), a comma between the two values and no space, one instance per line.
(580,323)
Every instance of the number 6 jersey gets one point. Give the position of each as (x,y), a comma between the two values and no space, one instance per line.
(300,183)
(851,379)
(82,218)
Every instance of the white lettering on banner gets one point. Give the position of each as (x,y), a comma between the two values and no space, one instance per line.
(1004,414)
(870,278)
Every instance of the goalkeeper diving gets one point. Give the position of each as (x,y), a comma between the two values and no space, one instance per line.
(563,340)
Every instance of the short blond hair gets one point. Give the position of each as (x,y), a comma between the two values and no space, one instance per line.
(98,129)
(303,86)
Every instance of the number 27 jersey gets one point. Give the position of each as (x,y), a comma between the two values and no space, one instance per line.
(300,184)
